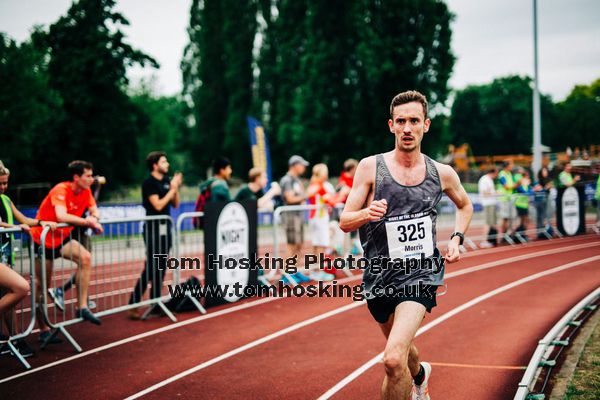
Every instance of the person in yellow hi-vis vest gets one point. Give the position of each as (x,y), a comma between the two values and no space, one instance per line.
(506,187)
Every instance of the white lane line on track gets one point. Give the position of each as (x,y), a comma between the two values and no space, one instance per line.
(247,346)
(153,332)
(363,368)
(242,307)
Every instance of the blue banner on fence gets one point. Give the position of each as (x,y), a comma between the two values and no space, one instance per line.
(261,158)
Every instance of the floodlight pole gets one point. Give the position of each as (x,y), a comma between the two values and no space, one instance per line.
(537,123)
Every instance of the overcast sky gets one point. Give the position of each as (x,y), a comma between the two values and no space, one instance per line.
(491,38)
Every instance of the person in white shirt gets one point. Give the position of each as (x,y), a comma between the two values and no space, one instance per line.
(487,194)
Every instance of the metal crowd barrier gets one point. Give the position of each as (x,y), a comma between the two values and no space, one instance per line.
(118,260)
(189,243)
(542,352)
(16,251)
(277,222)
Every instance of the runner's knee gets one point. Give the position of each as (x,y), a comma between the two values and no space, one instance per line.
(395,360)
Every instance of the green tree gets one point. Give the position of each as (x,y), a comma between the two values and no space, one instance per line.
(88,62)
(166,129)
(496,118)
(579,118)
(218,80)
(327,78)
(30,113)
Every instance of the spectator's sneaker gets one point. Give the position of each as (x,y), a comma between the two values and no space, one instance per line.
(24,348)
(46,338)
(58,297)
(3,339)
(134,314)
(91,304)
(87,315)
(421,392)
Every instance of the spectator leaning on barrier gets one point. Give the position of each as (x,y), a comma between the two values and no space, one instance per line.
(84,236)
(566,179)
(254,190)
(16,286)
(487,194)
(294,194)
(506,187)
(66,203)
(159,193)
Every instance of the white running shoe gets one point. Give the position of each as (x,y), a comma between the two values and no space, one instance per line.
(421,392)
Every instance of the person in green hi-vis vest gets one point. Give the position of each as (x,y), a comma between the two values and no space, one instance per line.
(566,179)
(16,287)
(506,187)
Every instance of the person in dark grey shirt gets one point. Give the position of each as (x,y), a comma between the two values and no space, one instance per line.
(392,203)
(159,193)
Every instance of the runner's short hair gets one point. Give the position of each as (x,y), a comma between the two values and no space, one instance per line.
(153,157)
(254,173)
(78,167)
(408,97)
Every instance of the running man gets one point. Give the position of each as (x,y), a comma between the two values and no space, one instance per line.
(392,203)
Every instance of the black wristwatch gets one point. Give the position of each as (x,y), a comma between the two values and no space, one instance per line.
(460,235)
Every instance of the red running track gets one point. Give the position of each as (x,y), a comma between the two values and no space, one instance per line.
(498,332)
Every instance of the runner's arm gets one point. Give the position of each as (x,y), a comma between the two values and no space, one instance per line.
(355,214)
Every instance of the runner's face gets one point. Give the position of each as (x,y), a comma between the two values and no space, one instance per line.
(3,184)
(163,165)
(86,179)
(408,126)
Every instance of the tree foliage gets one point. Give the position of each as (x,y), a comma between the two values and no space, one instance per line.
(327,71)
(30,113)
(497,118)
(218,80)
(87,68)
(578,117)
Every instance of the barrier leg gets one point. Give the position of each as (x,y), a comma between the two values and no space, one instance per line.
(69,338)
(164,309)
(16,353)
(196,303)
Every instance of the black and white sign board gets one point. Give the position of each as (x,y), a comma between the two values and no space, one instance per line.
(229,236)
(570,210)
